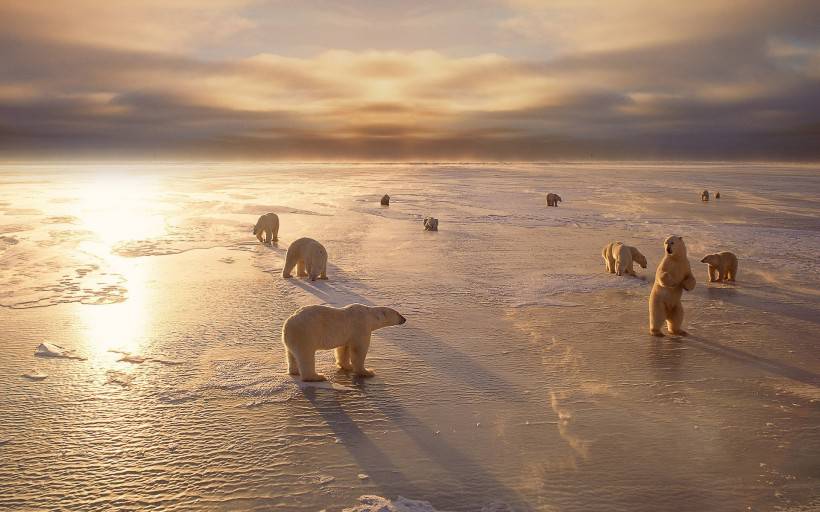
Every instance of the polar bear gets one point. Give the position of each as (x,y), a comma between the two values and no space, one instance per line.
(553,199)
(619,258)
(346,329)
(717,195)
(268,224)
(704,196)
(309,257)
(722,266)
(672,277)
(385,200)
(430,224)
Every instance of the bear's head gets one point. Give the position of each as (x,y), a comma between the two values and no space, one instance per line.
(674,246)
(384,317)
(711,259)
(558,198)
(638,258)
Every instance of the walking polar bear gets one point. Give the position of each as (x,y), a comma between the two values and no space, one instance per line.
(309,257)
(618,258)
(672,277)
(553,199)
(722,266)
(346,329)
(268,224)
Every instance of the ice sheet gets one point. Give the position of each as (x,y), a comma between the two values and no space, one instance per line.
(524,378)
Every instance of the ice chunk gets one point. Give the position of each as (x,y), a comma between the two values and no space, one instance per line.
(35,375)
(52,350)
(401,504)
(132,358)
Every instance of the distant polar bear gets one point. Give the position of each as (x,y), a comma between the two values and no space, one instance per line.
(722,266)
(346,329)
(268,224)
(553,199)
(309,257)
(619,258)
(385,200)
(430,224)
(704,196)
(672,277)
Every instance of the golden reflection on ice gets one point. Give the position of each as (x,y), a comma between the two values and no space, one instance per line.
(120,327)
(120,207)
(117,208)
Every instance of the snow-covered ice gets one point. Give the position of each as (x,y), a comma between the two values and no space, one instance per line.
(524,378)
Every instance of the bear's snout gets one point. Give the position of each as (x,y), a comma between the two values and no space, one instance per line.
(669,249)
(402,319)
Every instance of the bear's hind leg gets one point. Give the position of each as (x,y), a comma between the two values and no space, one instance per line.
(268,235)
(343,358)
(290,262)
(656,317)
(306,359)
(675,321)
(293,366)
(300,268)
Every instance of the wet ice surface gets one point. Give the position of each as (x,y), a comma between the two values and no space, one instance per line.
(523,380)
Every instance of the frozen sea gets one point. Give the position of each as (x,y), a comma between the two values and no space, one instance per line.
(524,379)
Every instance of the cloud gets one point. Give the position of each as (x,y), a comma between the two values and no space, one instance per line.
(539,80)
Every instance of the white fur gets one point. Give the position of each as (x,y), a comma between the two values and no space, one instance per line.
(673,275)
(309,257)
(269,225)
(347,330)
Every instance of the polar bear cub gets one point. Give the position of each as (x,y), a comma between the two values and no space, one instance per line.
(346,329)
(309,257)
(619,258)
(722,266)
(269,225)
(672,277)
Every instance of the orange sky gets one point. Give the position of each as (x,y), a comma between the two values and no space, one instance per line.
(397,80)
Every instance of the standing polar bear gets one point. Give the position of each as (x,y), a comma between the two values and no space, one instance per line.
(309,257)
(672,277)
(722,266)
(268,224)
(553,199)
(619,258)
(346,329)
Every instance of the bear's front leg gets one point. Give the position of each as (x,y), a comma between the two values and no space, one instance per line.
(712,274)
(688,282)
(343,358)
(358,351)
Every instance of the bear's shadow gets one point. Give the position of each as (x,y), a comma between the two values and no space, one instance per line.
(435,352)
(754,361)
